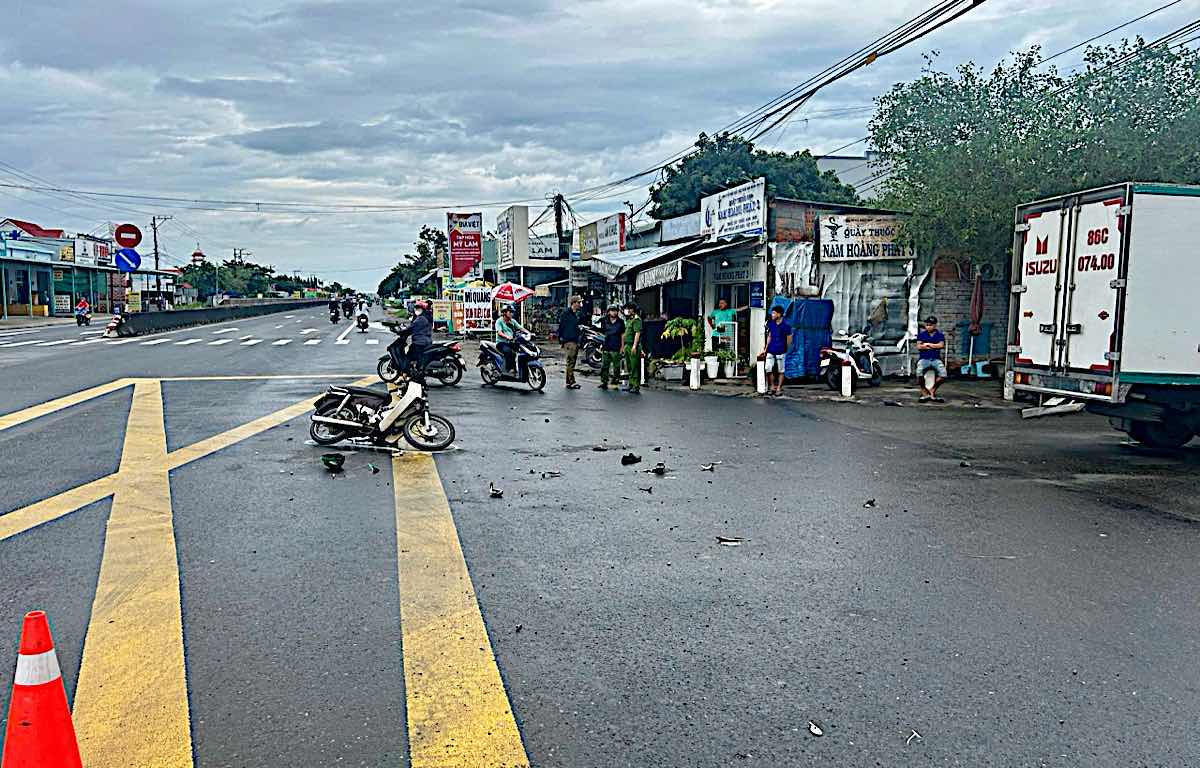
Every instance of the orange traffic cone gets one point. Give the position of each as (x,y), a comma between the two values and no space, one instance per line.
(39,733)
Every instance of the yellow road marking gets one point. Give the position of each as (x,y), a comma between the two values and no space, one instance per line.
(26,518)
(281,376)
(131,705)
(458,711)
(9,420)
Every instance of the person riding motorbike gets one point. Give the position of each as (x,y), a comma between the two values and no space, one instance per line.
(418,335)
(507,329)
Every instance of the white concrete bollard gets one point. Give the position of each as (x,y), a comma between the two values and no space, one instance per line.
(847,379)
(760,377)
(694,373)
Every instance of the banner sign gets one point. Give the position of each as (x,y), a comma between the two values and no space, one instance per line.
(860,238)
(441,310)
(660,275)
(464,231)
(680,228)
(610,234)
(737,271)
(543,248)
(133,301)
(66,252)
(457,317)
(589,240)
(477,309)
(86,251)
(735,212)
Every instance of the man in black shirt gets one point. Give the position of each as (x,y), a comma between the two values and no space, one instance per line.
(613,328)
(568,336)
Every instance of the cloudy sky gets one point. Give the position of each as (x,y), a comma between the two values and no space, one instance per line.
(421,104)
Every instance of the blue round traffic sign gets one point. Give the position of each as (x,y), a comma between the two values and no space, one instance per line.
(128,260)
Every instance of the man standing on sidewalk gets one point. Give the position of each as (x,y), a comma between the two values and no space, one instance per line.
(631,348)
(568,337)
(613,328)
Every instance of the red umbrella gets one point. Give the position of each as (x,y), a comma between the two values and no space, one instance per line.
(511,292)
(976,307)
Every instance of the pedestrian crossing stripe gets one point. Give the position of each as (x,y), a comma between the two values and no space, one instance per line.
(219,342)
(188,342)
(372,342)
(251,342)
(311,342)
(155,342)
(281,342)
(55,343)
(122,341)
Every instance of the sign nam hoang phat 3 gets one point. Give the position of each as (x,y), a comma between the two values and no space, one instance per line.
(661,274)
(861,238)
(735,212)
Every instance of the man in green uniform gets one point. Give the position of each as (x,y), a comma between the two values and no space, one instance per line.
(631,347)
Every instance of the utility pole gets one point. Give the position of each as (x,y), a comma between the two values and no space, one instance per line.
(154,222)
(564,247)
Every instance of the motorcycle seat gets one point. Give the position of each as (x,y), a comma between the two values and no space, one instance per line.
(365,392)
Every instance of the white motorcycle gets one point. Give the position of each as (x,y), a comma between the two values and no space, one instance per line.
(858,357)
(378,417)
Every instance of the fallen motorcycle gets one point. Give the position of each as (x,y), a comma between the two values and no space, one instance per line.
(367,414)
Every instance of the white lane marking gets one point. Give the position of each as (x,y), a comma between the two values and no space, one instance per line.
(79,343)
(25,343)
(299,321)
(224,330)
(6,334)
(307,331)
(156,342)
(341,339)
(288,317)
(123,341)
(278,326)
(91,333)
(55,343)
(219,342)
(311,342)
(251,342)
(372,341)
(188,342)
(281,342)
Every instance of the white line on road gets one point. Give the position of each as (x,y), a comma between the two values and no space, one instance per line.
(281,342)
(251,342)
(81,343)
(311,342)
(24,343)
(6,334)
(372,341)
(55,343)
(307,331)
(300,321)
(156,342)
(278,326)
(341,339)
(90,333)
(188,342)
(123,341)
(288,317)
(225,330)
(219,342)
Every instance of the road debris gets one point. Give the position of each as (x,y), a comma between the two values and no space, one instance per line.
(333,462)
(964,464)
(647,490)
(869,504)
(374,469)
(550,473)
(709,467)
(630,459)
(495,492)
(894,403)
(815,729)
(913,735)
(731,541)
(659,469)
(993,557)
(599,448)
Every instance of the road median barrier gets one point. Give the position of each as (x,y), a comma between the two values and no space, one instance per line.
(141,323)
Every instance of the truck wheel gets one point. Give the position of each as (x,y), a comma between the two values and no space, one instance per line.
(1159,434)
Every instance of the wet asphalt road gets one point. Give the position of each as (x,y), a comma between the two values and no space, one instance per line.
(1037,607)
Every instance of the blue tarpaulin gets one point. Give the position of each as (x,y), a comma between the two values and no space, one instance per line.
(812,329)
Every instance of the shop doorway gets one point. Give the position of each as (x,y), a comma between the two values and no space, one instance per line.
(738,296)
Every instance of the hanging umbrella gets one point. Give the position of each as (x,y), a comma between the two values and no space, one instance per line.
(511,292)
(974,328)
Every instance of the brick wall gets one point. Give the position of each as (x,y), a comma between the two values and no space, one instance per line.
(952,305)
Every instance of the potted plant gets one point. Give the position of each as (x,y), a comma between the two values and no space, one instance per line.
(728,363)
(686,330)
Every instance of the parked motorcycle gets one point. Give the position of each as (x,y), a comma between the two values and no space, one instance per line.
(591,345)
(380,418)
(335,317)
(441,361)
(858,356)
(363,322)
(529,369)
(83,317)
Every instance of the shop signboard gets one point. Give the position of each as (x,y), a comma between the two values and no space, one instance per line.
(734,271)
(758,294)
(680,228)
(441,310)
(477,309)
(104,254)
(589,242)
(66,252)
(543,248)
(457,316)
(62,303)
(133,301)
(741,211)
(464,232)
(861,238)
(85,252)
(610,234)
(512,230)
(659,275)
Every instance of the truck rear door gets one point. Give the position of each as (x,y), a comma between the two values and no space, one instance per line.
(1089,324)
(1039,301)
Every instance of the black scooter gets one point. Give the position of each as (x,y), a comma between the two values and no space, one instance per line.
(335,317)
(441,360)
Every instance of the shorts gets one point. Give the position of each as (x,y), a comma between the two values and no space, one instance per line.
(775,363)
(937,365)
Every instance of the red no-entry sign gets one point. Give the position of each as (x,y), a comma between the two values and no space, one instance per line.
(127,236)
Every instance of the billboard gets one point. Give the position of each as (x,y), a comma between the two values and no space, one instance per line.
(680,228)
(512,229)
(477,309)
(589,243)
(464,232)
(860,238)
(543,247)
(735,212)
(610,234)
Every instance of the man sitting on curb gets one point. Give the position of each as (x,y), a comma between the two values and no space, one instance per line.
(930,343)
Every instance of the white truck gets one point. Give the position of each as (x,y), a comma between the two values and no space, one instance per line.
(1106,307)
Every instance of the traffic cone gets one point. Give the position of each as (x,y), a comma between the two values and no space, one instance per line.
(39,732)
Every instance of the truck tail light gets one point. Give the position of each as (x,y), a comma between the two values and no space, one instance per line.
(1021,378)
(1102,388)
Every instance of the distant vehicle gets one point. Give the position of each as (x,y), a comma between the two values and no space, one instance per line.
(858,357)
(1104,307)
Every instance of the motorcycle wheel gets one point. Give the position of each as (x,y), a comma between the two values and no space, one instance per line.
(833,377)
(436,437)
(592,356)
(387,371)
(876,376)
(489,373)
(328,434)
(451,374)
(535,377)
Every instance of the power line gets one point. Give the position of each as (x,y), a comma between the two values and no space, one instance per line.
(1110,31)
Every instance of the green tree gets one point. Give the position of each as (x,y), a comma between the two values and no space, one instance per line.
(725,160)
(966,147)
(409,271)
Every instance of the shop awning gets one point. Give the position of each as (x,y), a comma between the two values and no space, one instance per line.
(615,265)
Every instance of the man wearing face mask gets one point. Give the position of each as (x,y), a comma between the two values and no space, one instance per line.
(418,334)
(631,348)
